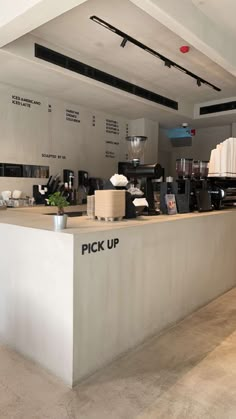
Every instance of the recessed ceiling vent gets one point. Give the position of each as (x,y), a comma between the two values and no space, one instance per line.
(219,107)
(71,64)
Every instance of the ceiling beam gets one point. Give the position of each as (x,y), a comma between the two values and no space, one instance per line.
(22,17)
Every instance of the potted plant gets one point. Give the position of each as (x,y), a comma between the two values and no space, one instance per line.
(58,200)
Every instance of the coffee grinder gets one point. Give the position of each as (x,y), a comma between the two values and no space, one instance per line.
(191,188)
(141,173)
(181,188)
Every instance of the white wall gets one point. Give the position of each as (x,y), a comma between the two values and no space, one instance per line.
(29,132)
(202,144)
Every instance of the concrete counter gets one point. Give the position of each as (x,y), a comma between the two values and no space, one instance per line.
(74,307)
(38,217)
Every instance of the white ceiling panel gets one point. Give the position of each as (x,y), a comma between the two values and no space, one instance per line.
(23,74)
(222,12)
(9,10)
(76,35)
(99,47)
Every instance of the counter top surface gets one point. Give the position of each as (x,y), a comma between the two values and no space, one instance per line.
(39,218)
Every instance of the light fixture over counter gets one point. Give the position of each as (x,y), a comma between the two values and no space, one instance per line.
(167,62)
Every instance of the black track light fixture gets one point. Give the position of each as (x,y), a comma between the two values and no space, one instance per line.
(123,43)
(167,62)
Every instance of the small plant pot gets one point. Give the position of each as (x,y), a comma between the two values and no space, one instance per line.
(60,222)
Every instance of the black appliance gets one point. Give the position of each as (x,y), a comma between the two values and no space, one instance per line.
(68,187)
(68,177)
(42,192)
(83,186)
(223,191)
(198,192)
(190,195)
(135,171)
(83,178)
(191,188)
(94,184)
(146,173)
(39,197)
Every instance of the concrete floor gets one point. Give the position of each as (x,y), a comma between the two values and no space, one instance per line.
(188,372)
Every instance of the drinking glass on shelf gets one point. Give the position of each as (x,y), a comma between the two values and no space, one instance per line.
(91,206)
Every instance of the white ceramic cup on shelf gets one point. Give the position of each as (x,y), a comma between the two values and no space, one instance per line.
(16,194)
(6,195)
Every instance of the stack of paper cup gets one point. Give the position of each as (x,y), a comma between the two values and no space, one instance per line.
(91,206)
(110,204)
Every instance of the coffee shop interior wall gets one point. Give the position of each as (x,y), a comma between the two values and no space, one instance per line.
(62,135)
(38,130)
(202,143)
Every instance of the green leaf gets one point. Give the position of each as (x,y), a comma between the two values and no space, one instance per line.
(58,200)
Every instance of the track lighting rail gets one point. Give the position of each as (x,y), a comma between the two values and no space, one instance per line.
(167,62)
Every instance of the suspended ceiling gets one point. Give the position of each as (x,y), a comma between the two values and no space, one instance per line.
(97,46)
(74,33)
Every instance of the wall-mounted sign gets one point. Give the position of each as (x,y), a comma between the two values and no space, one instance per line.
(112,142)
(99,246)
(53,156)
(110,154)
(72,116)
(112,127)
(22,101)
(111,149)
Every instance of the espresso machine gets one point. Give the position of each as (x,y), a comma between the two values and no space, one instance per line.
(193,192)
(223,191)
(191,188)
(140,175)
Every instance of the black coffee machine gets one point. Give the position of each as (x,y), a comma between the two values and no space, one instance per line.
(68,178)
(223,191)
(140,173)
(42,192)
(83,183)
(191,188)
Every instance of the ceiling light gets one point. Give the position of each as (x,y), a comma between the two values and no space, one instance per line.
(199,83)
(123,43)
(168,63)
